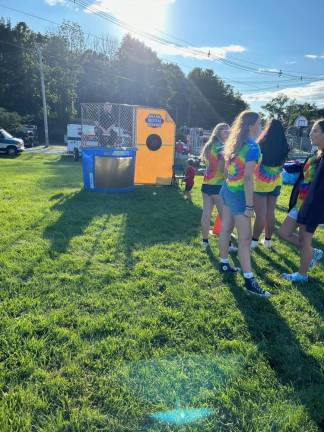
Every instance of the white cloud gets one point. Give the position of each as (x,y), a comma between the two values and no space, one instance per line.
(199,53)
(315,56)
(312,93)
(115,5)
(269,70)
(138,14)
(54,2)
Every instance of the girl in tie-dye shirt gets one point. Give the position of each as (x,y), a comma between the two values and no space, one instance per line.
(213,155)
(241,155)
(267,180)
(306,209)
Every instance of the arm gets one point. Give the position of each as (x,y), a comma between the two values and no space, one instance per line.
(221,165)
(248,188)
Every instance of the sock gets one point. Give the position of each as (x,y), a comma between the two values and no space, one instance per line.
(267,238)
(254,239)
(205,240)
(224,260)
(248,275)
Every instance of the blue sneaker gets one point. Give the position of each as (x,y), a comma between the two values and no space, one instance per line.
(294,277)
(317,255)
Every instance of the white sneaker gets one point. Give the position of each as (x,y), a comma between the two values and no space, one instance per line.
(204,246)
(267,244)
(254,244)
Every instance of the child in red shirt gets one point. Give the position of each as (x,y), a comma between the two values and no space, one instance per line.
(189,179)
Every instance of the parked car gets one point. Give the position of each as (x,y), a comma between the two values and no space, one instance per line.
(9,144)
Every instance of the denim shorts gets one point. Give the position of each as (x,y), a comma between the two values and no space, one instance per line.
(275,192)
(210,189)
(293,213)
(235,201)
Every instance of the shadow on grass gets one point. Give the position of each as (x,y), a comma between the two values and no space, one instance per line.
(64,159)
(311,291)
(280,263)
(279,346)
(152,215)
(281,349)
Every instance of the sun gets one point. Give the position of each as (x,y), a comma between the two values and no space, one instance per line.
(142,15)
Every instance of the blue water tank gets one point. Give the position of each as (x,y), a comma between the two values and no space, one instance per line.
(108,169)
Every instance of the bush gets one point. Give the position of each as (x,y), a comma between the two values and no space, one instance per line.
(11,121)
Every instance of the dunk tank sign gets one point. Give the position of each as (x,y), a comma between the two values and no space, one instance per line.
(155,140)
(154,120)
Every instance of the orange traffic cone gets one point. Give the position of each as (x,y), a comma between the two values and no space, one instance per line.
(217,225)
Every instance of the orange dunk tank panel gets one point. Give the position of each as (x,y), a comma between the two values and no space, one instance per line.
(154,140)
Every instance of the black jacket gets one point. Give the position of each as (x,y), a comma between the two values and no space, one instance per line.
(295,190)
(311,212)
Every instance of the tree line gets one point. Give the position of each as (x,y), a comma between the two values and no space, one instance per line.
(81,69)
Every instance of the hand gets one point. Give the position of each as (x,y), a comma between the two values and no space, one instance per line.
(249,212)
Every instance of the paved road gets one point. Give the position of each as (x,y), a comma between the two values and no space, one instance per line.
(57,149)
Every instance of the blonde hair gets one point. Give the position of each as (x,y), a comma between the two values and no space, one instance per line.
(239,133)
(215,134)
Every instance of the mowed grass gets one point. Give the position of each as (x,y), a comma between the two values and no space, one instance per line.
(110,312)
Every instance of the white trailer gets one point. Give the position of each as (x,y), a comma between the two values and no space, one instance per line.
(75,133)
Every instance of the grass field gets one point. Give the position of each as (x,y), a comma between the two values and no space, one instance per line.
(110,312)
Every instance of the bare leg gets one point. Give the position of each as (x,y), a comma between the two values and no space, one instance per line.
(306,250)
(270,216)
(260,203)
(226,231)
(288,233)
(188,196)
(218,202)
(243,226)
(206,214)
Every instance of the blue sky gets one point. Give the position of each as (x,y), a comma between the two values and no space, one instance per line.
(268,36)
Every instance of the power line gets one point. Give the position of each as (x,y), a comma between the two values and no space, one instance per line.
(104,14)
(194,51)
(116,21)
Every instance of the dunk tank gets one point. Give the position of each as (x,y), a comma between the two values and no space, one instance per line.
(125,145)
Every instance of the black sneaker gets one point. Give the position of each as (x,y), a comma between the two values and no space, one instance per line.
(227,268)
(253,287)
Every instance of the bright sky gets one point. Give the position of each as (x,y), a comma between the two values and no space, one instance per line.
(280,40)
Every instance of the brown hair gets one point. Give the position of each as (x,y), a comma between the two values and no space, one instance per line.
(320,122)
(239,133)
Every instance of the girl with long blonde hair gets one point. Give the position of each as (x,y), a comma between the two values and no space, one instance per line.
(212,154)
(241,154)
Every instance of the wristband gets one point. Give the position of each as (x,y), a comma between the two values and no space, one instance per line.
(249,207)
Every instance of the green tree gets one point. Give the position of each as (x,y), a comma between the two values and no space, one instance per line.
(287,110)
(11,121)
(216,100)
(19,78)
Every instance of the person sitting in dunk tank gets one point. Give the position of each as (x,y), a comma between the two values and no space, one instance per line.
(106,135)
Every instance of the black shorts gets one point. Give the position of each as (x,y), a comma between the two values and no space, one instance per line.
(210,189)
(309,228)
(188,188)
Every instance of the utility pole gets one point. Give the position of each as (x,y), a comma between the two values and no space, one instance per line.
(39,51)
